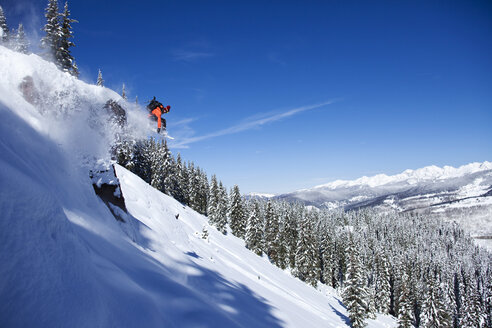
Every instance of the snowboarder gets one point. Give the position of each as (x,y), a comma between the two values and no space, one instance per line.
(156,109)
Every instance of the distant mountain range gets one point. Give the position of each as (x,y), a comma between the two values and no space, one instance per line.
(462,194)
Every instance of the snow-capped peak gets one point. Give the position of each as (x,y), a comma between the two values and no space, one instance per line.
(260,195)
(411,176)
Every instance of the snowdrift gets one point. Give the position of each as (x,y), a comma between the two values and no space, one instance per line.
(67,262)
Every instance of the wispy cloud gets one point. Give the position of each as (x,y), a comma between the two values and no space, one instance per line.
(189,55)
(275,58)
(250,123)
(184,121)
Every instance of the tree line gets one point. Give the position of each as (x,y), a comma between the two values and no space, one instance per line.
(56,43)
(423,271)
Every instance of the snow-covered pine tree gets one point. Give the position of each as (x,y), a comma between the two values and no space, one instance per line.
(203,194)
(236,213)
(136,100)
(488,296)
(326,253)
(282,252)
(340,247)
(193,186)
(434,313)
(168,167)
(457,286)
(155,155)
(254,229)
(51,41)
(123,92)
(307,258)
(213,200)
(291,236)
(100,81)
(159,163)
(355,293)
(21,44)
(271,233)
(185,183)
(222,201)
(405,303)
(371,304)
(382,284)
(124,154)
(180,181)
(63,54)
(143,159)
(471,314)
(171,178)
(4,29)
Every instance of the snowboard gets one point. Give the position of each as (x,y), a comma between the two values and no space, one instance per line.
(160,135)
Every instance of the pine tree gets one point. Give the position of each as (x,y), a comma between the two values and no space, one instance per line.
(282,251)
(180,180)
(100,81)
(170,175)
(158,155)
(63,54)
(198,191)
(355,293)
(185,185)
(382,284)
(405,313)
(143,153)
(205,188)
(124,154)
(4,29)
(21,44)
(213,200)
(168,165)
(254,229)
(488,297)
(193,186)
(136,100)
(458,309)
(236,213)
(51,41)
(271,233)
(471,303)
(222,201)
(434,313)
(306,258)
(326,255)
(291,235)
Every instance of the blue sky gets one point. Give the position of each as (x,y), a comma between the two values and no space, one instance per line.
(281,95)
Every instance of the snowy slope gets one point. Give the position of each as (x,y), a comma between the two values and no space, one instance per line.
(65,260)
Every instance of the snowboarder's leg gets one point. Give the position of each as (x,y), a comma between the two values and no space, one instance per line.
(158,124)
